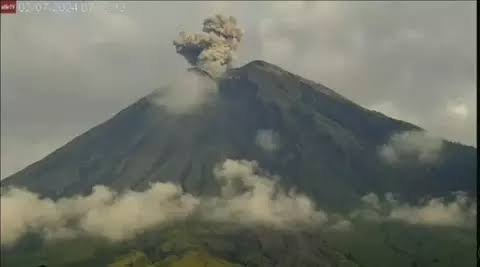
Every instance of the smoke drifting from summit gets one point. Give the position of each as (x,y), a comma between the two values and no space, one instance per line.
(186,93)
(210,53)
(213,49)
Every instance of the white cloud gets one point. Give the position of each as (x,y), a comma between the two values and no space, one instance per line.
(342,226)
(412,145)
(460,211)
(371,200)
(115,216)
(459,110)
(268,140)
(247,197)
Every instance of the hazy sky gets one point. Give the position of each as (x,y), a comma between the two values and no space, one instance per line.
(63,73)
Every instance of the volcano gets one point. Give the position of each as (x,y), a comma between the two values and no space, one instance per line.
(327,146)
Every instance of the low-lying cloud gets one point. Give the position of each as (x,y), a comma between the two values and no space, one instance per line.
(457,211)
(268,140)
(247,197)
(342,225)
(371,200)
(106,213)
(412,145)
(460,212)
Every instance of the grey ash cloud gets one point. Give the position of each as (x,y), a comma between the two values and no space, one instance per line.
(213,49)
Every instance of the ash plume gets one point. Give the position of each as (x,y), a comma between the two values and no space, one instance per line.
(211,50)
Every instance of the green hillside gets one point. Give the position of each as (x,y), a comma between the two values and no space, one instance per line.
(204,244)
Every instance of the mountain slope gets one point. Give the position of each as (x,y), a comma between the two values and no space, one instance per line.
(189,244)
(328,145)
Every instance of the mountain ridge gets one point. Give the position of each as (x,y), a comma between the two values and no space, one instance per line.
(328,148)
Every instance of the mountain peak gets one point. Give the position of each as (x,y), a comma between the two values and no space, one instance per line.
(265,67)
(260,64)
(257,68)
(327,145)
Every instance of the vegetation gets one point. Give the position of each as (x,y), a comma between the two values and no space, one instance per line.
(216,245)
(397,244)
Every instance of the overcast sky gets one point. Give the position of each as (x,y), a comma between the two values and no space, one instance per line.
(63,73)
